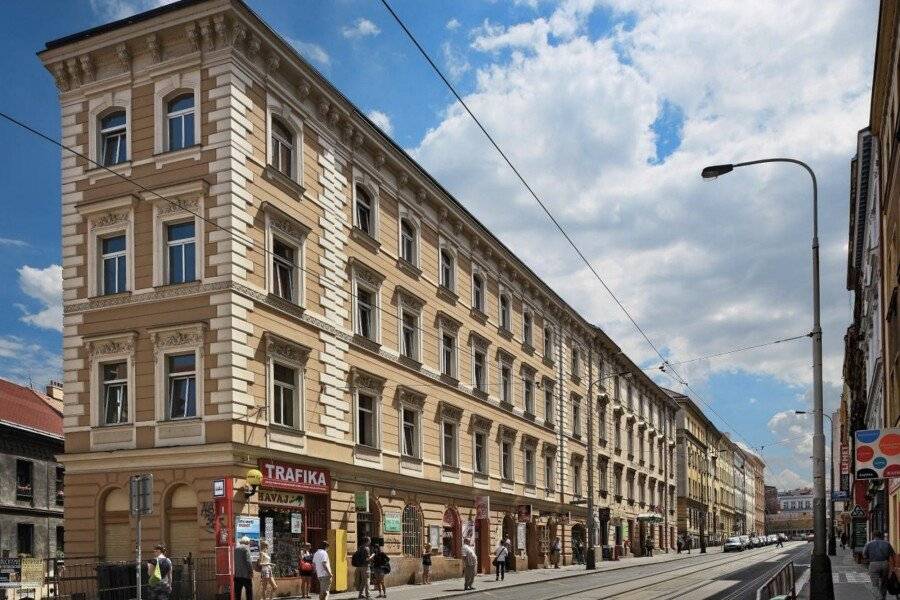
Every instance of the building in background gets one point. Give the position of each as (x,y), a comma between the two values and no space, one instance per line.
(773,507)
(795,513)
(757,469)
(32,482)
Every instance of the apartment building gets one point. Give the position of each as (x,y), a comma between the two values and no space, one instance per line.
(257,277)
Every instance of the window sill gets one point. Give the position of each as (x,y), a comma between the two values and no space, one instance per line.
(182,419)
(601,442)
(631,457)
(365,239)
(506,405)
(284,182)
(412,363)
(365,342)
(450,469)
(618,451)
(169,156)
(641,462)
(549,361)
(449,380)
(114,425)
(362,449)
(504,332)
(116,296)
(529,415)
(603,493)
(101,172)
(479,393)
(618,498)
(411,460)
(576,436)
(478,315)
(527,348)
(409,268)
(549,424)
(576,379)
(447,294)
(285,304)
(286,429)
(175,286)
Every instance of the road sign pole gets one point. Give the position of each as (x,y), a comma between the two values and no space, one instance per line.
(139,565)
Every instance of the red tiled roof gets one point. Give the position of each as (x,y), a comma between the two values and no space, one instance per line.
(27,408)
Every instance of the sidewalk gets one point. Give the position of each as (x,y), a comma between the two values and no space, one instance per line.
(851,580)
(453,587)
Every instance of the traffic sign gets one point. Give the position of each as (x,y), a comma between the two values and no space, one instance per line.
(142,494)
(857,512)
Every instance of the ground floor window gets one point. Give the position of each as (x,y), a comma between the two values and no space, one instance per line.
(26,539)
(285,530)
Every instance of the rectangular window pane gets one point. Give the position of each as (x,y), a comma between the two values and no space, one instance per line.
(188,129)
(190,265)
(176,141)
(176,270)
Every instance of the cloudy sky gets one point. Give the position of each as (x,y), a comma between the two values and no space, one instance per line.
(609,108)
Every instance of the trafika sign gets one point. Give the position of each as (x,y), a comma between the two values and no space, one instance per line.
(294,478)
(877,453)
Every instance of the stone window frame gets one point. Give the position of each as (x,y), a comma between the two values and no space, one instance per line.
(506,434)
(527,318)
(371,385)
(369,184)
(445,246)
(481,425)
(481,273)
(505,359)
(363,276)
(294,356)
(291,232)
(166,89)
(407,302)
(575,363)
(577,461)
(478,343)
(447,325)
(529,443)
(168,341)
(449,413)
(183,202)
(294,121)
(107,219)
(405,214)
(98,107)
(504,292)
(412,400)
(549,385)
(105,349)
(527,373)
(549,452)
(577,423)
(551,330)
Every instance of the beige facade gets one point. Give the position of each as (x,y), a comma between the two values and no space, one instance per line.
(276,280)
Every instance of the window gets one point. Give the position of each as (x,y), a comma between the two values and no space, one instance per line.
(640,444)
(181,249)
(602,469)
(365,309)
(504,312)
(478,370)
(526,328)
(181,122)
(448,355)
(24,480)
(182,399)
(548,342)
(506,460)
(576,479)
(651,455)
(505,383)
(528,387)
(366,424)
(410,335)
(617,481)
(115,393)
(410,432)
(548,403)
(601,421)
(282,147)
(113,264)
(114,148)
(364,211)
(478,292)
(25,537)
(284,396)
(631,441)
(576,362)
(60,540)
(529,466)
(450,444)
(618,434)
(550,472)
(407,241)
(60,485)
(631,485)
(446,269)
(412,531)
(480,458)
(576,417)
(284,266)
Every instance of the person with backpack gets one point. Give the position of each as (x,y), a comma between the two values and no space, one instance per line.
(381,566)
(307,570)
(160,571)
(360,562)
(500,555)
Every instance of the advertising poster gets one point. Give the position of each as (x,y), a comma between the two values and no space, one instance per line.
(393,522)
(482,507)
(523,513)
(434,536)
(877,453)
(296,522)
(249,527)
(521,533)
(10,569)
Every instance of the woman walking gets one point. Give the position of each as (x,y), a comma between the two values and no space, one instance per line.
(381,566)
(426,565)
(307,570)
(500,555)
(266,577)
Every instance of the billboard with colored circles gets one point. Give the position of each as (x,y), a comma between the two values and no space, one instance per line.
(877,453)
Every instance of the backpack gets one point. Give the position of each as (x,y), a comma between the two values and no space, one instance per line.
(356,559)
(386,565)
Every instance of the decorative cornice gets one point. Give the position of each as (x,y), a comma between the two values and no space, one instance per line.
(366,381)
(188,335)
(193,36)
(168,207)
(409,298)
(153,47)
(281,348)
(106,346)
(206,33)
(446,321)
(110,218)
(480,342)
(548,448)
(450,411)
(528,441)
(480,422)
(363,271)
(504,431)
(408,395)
(123,56)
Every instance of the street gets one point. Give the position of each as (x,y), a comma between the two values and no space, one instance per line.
(713,576)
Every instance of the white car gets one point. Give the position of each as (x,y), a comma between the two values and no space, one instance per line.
(733,544)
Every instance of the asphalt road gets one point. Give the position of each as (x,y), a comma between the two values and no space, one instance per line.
(734,576)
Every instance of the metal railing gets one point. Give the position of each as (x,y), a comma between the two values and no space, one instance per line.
(779,586)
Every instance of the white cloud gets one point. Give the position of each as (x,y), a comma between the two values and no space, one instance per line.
(21,361)
(382,120)
(703,266)
(12,242)
(45,286)
(453,24)
(314,53)
(787,479)
(362,28)
(454,61)
(113,10)
(751,401)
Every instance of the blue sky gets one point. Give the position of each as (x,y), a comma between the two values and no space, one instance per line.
(610,108)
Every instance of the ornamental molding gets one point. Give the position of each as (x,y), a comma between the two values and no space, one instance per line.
(450,411)
(110,218)
(367,274)
(363,380)
(409,396)
(277,347)
(409,298)
(107,346)
(445,321)
(169,207)
(528,441)
(548,449)
(505,432)
(123,56)
(153,47)
(285,224)
(479,342)
(190,335)
(481,422)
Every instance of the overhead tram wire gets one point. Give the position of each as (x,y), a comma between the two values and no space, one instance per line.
(666,366)
(740,349)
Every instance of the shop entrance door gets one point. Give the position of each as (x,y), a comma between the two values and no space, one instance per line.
(316,526)
(578,541)
(509,533)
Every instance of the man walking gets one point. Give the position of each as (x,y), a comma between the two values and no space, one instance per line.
(323,570)
(470,561)
(555,552)
(879,552)
(360,561)
(243,569)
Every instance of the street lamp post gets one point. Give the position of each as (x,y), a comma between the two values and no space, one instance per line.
(821,586)
(832,543)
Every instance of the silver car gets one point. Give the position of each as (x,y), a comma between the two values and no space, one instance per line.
(733,544)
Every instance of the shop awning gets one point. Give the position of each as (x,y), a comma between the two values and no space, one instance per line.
(650,517)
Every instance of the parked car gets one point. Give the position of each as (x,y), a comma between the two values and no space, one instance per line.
(755,542)
(773,538)
(745,539)
(810,537)
(733,544)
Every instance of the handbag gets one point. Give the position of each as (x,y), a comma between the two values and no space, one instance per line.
(306,567)
(155,576)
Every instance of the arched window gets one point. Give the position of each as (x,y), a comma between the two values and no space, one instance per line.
(407,241)
(282,147)
(412,531)
(115,541)
(450,542)
(113,148)
(180,118)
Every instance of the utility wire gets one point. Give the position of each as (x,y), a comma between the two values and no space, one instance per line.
(740,349)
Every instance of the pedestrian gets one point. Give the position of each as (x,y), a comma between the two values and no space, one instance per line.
(648,546)
(381,566)
(243,569)
(510,558)
(680,543)
(780,543)
(470,561)
(360,561)
(160,571)
(426,565)
(307,570)
(689,542)
(879,552)
(266,577)
(500,555)
(843,540)
(555,552)
(323,570)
